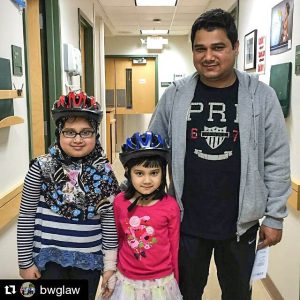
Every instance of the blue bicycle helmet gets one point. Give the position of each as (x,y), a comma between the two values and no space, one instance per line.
(144,145)
(76,104)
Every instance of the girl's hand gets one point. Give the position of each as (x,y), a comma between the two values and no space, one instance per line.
(30,273)
(108,283)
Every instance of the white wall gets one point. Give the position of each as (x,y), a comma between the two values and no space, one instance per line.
(284,267)
(70,30)
(8,253)
(69,19)
(175,58)
(14,151)
(14,139)
(257,15)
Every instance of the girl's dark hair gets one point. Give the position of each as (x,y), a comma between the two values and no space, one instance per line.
(147,162)
(215,19)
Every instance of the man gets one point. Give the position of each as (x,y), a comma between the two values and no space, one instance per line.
(230,161)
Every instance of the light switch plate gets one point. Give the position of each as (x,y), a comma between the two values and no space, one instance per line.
(297,60)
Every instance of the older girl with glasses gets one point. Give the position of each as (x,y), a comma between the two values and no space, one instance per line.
(66,227)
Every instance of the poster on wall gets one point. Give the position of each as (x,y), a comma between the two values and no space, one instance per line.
(282,27)
(261,55)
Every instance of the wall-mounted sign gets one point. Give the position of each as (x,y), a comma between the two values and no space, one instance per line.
(178,76)
(280,81)
(165,83)
(139,61)
(261,55)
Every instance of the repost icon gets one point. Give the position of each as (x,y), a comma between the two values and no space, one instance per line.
(10,289)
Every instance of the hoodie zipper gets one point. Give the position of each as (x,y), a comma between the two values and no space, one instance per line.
(254,143)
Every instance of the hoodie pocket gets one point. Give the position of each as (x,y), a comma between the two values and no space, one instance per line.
(255,198)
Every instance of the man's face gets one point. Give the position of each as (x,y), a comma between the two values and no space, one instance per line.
(214,57)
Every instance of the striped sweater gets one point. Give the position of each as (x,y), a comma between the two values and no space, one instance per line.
(43,235)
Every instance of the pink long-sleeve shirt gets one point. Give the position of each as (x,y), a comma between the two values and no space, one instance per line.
(148,238)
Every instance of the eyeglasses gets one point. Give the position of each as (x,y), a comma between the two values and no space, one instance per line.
(84,134)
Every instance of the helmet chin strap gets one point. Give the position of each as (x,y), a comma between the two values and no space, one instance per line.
(141,197)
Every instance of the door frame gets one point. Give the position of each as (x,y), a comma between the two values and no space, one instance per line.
(86,46)
(53,84)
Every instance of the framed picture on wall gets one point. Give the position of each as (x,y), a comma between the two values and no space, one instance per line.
(250,41)
(282,27)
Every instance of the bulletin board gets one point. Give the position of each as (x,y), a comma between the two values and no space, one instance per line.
(6,105)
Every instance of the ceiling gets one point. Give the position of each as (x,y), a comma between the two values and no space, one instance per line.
(122,17)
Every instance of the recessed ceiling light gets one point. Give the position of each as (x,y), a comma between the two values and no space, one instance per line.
(155,2)
(154,31)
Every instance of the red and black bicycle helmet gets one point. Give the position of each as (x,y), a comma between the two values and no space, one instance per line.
(144,145)
(77,104)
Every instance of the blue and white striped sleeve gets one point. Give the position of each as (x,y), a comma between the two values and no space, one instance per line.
(108,225)
(26,220)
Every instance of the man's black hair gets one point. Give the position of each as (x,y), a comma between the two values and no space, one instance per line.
(215,19)
(147,162)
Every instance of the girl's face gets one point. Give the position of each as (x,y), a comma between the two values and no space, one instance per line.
(146,180)
(84,141)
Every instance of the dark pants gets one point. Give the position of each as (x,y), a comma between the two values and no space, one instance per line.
(234,261)
(55,271)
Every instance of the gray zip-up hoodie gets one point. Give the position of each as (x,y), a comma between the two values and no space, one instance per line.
(265,161)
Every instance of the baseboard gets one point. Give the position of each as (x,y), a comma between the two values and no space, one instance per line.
(271,288)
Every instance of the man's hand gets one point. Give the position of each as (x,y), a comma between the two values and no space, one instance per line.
(30,273)
(108,283)
(268,236)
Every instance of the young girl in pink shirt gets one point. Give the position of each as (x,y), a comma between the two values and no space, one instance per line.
(147,221)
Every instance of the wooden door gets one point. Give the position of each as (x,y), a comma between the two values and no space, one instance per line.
(121,64)
(130,89)
(143,87)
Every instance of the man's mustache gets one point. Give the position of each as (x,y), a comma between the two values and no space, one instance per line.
(209,63)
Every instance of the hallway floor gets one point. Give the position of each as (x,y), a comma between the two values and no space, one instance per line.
(212,290)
